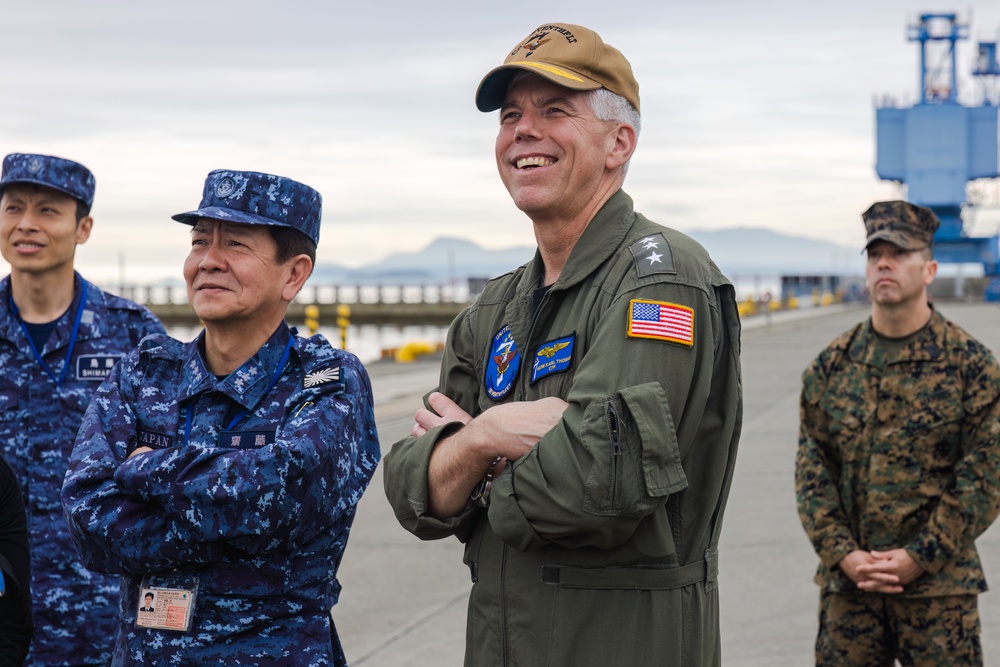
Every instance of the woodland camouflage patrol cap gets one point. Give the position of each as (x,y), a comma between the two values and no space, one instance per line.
(567,55)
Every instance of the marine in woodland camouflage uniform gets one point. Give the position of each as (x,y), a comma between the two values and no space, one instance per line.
(230,467)
(52,364)
(898,466)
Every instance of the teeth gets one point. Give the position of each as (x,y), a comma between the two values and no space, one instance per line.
(533,162)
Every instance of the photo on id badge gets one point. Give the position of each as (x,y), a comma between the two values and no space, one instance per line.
(165,608)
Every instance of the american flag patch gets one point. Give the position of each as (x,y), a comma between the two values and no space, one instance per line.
(660,320)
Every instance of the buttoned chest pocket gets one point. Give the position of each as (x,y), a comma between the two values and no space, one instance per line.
(931,426)
(848,412)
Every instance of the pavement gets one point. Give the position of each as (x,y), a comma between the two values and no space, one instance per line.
(404,600)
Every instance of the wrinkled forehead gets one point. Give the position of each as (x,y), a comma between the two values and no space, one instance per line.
(209,225)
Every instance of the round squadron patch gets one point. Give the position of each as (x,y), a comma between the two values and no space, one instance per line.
(502,365)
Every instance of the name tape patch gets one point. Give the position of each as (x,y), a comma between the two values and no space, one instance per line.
(554,356)
(95,366)
(246,439)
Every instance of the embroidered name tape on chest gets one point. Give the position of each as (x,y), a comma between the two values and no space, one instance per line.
(652,254)
(660,320)
(95,366)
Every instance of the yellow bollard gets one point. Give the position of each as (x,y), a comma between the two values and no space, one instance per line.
(312,319)
(343,321)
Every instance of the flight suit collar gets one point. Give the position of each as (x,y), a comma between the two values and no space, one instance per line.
(926,345)
(599,241)
(247,384)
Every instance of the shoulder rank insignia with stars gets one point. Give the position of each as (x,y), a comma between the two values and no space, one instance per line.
(652,254)
(321,376)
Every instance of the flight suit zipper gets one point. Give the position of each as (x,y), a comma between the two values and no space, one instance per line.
(616,454)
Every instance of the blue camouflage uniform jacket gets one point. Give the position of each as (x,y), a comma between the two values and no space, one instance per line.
(256,513)
(75,611)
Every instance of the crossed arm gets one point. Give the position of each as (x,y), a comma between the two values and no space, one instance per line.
(459,461)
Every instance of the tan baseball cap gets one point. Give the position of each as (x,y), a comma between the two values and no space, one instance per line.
(567,55)
(900,223)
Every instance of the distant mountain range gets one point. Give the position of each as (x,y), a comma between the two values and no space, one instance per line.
(737,251)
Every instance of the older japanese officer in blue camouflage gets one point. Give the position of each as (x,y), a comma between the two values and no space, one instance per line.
(223,474)
(59,338)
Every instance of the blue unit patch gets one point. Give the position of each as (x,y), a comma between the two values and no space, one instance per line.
(554,356)
(95,366)
(502,365)
(246,439)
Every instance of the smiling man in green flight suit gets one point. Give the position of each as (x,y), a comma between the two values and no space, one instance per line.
(582,439)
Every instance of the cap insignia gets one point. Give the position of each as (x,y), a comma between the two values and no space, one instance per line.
(34,165)
(226,187)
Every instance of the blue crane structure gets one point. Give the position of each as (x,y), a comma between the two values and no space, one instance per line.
(938,145)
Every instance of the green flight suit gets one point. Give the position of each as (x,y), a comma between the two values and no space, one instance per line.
(599,546)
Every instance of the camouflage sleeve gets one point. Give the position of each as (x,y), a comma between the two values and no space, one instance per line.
(115,531)
(146,324)
(273,497)
(817,477)
(972,503)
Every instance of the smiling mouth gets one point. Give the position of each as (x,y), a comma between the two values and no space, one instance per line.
(29,245)
(531,162)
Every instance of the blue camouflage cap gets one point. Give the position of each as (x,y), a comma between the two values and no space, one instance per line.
(66,176)
(253,198)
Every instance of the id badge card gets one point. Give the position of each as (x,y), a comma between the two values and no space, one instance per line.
(167,603)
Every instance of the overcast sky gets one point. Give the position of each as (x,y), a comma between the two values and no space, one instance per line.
(754,114)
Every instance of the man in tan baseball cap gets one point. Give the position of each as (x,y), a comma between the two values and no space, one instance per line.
(580,394)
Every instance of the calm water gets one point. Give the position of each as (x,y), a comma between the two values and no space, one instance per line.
(367,341)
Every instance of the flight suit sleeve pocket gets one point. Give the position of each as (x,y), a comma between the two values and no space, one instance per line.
(635,457)
(661,460)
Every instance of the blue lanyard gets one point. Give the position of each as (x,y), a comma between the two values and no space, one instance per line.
(72,338)
(244,412)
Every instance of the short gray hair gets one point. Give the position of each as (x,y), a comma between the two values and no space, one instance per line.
(611,106)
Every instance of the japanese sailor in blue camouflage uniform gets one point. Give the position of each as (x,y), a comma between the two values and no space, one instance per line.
(59,337)
(223,475)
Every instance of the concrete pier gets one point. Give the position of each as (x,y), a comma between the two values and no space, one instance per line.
(404,601)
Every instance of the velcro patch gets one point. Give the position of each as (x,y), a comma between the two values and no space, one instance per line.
(661,320)
(246,439)
(652,254)
(554,356)
(95,366)
(321,376)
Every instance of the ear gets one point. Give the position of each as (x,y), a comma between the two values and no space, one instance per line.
(299,269)
(930,271)
(83,229)
(624,139)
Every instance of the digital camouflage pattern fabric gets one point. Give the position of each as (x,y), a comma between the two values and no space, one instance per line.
(899,447)
(870,629)
(69,177)
(75,611)
(258,513)
(253,198)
